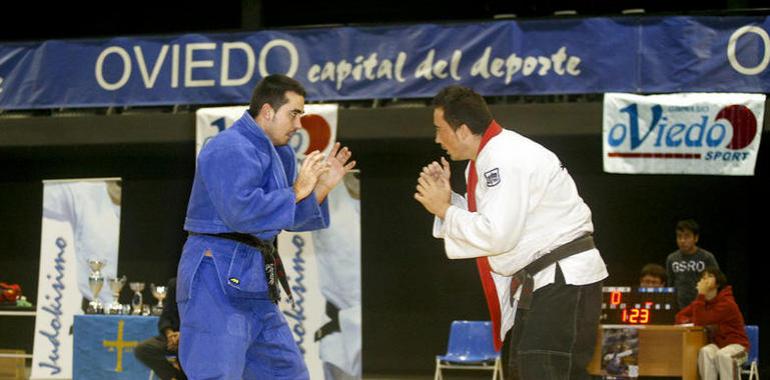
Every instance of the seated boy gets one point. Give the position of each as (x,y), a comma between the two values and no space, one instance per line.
(714,308)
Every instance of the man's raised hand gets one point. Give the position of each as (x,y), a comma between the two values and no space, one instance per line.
(433,189)
(311,169)
(339,164)
(438,171)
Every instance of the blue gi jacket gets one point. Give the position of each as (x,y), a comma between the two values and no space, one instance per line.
(243,184)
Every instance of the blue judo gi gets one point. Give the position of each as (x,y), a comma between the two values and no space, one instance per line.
(230,327)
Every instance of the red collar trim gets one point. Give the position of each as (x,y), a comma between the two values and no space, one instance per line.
(493,130)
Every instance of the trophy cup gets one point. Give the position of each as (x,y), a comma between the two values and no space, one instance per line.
(159,292)
(95,283)
(136,301)
(116,285)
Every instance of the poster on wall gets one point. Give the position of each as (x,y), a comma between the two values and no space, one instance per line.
(620,352)
(688,133)
(323,266)
(78,253)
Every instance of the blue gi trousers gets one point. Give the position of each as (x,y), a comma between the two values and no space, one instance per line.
(229,337)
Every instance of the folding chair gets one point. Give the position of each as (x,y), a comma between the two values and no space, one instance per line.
(751,366)
(471,347)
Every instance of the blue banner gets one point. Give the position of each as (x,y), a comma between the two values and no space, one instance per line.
(649,54)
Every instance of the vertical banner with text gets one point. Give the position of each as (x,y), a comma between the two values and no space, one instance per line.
(81,224)
(324,266)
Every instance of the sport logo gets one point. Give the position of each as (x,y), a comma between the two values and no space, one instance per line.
(492,177)
(684,132)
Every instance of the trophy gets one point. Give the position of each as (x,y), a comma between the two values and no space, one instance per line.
(116,285)
(95,283)
(159,292)
(136,301)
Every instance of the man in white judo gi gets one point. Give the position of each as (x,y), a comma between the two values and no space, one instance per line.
(529,231)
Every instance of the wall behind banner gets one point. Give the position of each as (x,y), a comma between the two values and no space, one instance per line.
(411,292)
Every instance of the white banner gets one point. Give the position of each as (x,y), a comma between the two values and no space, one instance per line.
(322,265)
(692,133)
(81,221)
(319,127)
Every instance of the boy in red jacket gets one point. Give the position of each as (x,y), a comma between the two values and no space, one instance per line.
(716,310)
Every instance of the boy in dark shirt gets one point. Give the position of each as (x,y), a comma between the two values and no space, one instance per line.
(684,265)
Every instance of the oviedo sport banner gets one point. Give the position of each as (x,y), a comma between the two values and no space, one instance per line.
(698,133)
(323,266)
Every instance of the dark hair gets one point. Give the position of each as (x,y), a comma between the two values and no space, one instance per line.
(272,90)
(654,270)
(720,277)
(462,105)
(688,225)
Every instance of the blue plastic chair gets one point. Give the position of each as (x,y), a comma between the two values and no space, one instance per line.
(471,347)
(752,364)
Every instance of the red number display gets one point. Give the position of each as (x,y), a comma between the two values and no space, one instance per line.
(636,316)
(644,316)
(615,297)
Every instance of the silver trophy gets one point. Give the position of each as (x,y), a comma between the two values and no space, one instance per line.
(95,283)
(116,285)
(159,292)
(137,300)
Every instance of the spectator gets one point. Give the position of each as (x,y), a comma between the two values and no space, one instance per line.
(153,352)
(716,310)
(684,265)
(652,276)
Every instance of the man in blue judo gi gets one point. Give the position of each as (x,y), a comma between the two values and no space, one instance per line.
(247,188)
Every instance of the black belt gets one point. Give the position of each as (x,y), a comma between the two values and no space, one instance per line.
(525,276)
(332,326)
(271,258)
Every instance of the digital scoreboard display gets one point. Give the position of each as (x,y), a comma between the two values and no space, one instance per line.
(625,305)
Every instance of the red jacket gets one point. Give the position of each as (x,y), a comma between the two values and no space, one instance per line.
(721,316)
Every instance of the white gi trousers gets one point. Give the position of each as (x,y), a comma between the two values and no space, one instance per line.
(723,363)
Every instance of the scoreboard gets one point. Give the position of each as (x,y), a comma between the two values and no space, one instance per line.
(625,305)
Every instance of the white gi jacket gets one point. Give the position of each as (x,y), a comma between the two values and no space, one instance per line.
(527,206)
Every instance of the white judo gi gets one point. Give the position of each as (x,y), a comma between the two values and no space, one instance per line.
(527,205)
